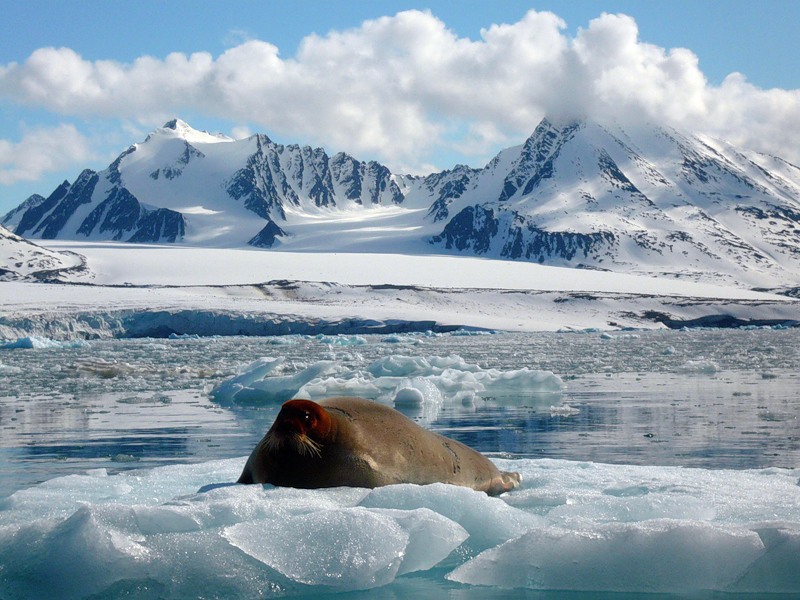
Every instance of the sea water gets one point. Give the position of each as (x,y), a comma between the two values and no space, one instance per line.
(652,461)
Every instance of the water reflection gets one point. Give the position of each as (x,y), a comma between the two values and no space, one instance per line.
(724,420)
(705,398)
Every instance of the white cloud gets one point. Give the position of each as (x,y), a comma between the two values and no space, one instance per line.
(42,151)
(398,87)
(628,77)
(241,132)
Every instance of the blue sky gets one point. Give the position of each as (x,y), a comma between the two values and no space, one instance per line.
(417,91)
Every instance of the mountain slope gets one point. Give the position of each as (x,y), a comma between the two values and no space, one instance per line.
(644,199)
(21,260)
(184,185)
(648,200)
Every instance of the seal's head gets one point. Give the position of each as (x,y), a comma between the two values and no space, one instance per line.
(302,426)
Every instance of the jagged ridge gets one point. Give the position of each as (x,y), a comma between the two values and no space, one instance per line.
(646,199)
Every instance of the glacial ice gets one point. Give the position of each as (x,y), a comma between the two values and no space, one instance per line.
(181,531)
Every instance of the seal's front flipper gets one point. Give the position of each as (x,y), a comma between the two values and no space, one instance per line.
(504,482)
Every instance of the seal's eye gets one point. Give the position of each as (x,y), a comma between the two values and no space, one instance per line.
(307,416)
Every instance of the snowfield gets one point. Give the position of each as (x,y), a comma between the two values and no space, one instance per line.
(607,229)
(155,290)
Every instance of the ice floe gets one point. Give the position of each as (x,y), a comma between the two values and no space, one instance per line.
(185,530)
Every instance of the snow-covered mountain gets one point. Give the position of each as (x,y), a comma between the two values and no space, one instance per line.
(21,260)
(649,199)
(644,199)
(183,185)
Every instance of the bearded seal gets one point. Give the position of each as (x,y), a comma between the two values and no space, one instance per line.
(360,443)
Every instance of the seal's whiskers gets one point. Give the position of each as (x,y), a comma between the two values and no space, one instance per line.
(306,446)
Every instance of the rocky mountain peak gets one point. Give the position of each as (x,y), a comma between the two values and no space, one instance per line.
(180,128)
(645,199)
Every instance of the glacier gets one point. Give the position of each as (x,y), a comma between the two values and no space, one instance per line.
(137,291)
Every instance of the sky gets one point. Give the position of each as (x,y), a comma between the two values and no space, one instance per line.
(418,86)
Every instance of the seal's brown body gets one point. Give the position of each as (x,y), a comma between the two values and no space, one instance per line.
(360,443)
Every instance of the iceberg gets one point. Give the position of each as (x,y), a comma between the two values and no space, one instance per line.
(405,381)
(38,343)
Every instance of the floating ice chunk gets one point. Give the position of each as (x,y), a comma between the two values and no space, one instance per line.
(520,381)
(456,379)
(342,340)
(256,370)
(124,458)
(418,398)
(156,520)
(99,367)
(409,396)
(619,336)
(281,340)
(349,548)
(408,340)
(43,556)
(280,389)
(453,381)
(571,526)
(407,366)
(38,343)
(253,388)
(777,569)
(564,410)
(395,339)
(471,332)
(700,366)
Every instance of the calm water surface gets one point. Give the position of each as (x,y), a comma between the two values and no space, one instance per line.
(705,398)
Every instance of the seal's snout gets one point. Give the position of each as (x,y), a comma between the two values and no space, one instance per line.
(288,424)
